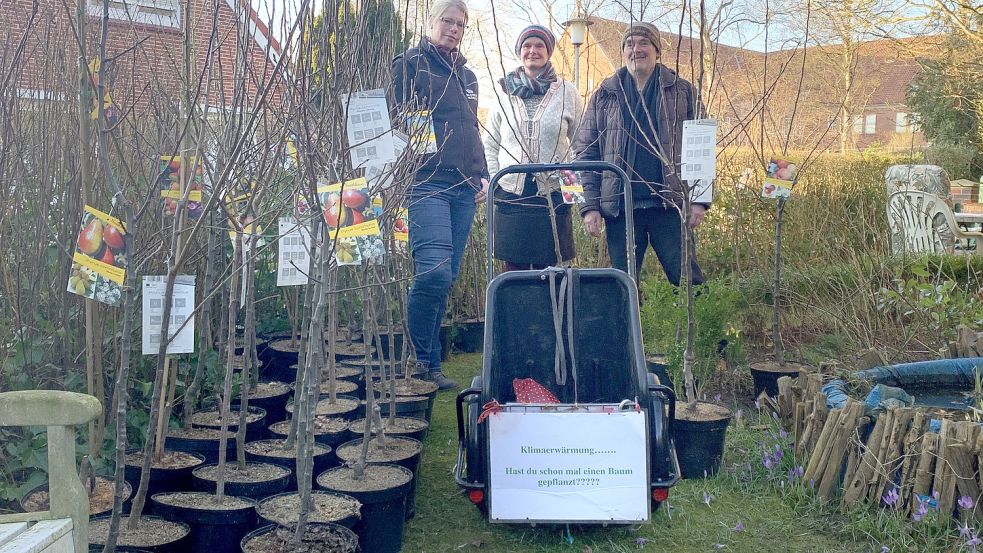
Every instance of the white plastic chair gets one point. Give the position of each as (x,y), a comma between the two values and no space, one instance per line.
(921,222)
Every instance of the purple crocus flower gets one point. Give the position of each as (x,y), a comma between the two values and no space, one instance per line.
(640,542)
(716,398)
(739,527)
(782,434)
(891,497)
(768,462)
(757,405)
(965,531)
(707,498)
(966,503)
(920,512)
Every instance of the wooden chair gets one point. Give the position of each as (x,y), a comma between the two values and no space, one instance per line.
(63,528)
(921,222)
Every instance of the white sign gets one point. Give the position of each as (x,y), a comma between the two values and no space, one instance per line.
(370,137)
(294,254)
(699,158)
(181,326)
(572,466)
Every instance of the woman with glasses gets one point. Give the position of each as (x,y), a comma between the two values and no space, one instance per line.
(535,122)
(432,84)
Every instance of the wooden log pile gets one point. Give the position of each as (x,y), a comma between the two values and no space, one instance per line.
(848,457)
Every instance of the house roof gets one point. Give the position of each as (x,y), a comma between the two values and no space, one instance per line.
(261,31)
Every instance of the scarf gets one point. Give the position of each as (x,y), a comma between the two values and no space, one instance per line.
(518,84)
(640,110)
(454,58)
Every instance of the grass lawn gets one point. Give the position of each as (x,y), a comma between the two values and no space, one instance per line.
(446,521)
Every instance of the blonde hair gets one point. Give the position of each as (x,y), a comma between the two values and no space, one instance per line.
(439,7)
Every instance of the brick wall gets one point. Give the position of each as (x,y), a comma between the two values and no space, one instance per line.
(145,74)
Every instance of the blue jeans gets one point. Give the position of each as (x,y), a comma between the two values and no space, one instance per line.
(440,217)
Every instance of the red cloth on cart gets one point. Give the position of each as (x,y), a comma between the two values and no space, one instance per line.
(528,390)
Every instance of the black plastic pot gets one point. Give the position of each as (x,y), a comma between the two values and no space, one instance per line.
(382,344)
(767,380)
(206,447)
(346,409)
(282,428)
(252,490)
(699,445)
(419,434)
(274,405)
(322,461)
(127,493)
(163,479)
(347,522)
(380,529)
(657,366)
(406,406)
(179,545)
(349,451)
(212,530)
(469,336)
(255,430)
(349,541)
(279,371)
(278,353)
(446,341)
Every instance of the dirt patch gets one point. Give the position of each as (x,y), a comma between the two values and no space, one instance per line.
(269,389)
(213,419)
(396,449)
(284,509)
(351,349)
(341,406)
(172,460)
(701,411)
(100,499)
(202,500)
(150,532)
(375,478)
(253,473)
(396,425)
(274,448)
(322,425)
(317,539)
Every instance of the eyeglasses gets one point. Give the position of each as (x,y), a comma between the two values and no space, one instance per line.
(638,42)
(453,22)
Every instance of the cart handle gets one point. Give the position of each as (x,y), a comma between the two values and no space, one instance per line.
(671,396)
(598,166)
(463,395)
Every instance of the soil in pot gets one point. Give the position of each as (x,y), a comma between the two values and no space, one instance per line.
(329,431)
(405,452)
(255,421)
(351,351)
(271,397)
(272,451)
(343,406)
(215,527)
(151,534)
(346,387)
(382,491)
(699,432)
(100,497)
(318,538)
(203,441)
(279,371)
(407,427)
(284,509)
(172,473)
(346,370)
(767,373)
(256,481)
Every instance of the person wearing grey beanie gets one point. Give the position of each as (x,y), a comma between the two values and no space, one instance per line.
(635,121)
(534,121)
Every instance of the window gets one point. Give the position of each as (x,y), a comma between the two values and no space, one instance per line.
(870,124)
(901,124)
(164,13)
(858,125)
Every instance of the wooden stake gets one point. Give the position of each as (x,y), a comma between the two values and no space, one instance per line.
(926,462)
(837,449)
